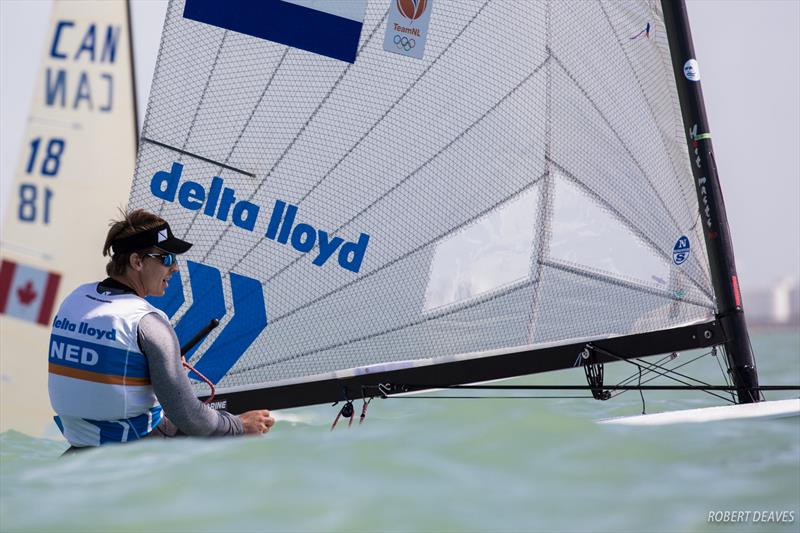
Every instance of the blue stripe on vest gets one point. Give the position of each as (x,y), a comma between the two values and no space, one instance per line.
(114,430)
(82,355)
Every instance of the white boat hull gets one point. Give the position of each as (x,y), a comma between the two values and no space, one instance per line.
(773,409)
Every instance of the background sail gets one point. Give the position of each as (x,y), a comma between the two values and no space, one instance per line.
(525,183)
(73,174)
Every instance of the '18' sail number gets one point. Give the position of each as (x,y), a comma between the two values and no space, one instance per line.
(45,163)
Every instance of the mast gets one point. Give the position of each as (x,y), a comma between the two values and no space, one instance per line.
(133,78)
(741,364)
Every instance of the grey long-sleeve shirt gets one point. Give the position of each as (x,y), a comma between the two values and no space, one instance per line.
(185,414)
(192,417)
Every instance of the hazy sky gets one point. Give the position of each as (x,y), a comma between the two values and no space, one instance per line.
(749,54)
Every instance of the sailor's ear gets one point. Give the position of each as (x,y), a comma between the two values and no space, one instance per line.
(135,261)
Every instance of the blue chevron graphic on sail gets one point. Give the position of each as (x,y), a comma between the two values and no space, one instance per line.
(331,30)
(208,302)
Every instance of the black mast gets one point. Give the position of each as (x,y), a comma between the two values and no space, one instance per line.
(133,76)
(741,363)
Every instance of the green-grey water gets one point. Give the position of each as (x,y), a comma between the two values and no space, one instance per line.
(434,465)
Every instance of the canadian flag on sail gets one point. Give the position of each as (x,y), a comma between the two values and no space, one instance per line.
(26,292)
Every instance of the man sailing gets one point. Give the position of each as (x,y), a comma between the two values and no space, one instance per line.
(114,359)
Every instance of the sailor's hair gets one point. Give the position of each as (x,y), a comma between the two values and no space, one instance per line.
(130,222)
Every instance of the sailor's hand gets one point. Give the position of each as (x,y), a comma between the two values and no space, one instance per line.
(257,422)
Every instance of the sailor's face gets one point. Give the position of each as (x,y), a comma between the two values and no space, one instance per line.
(155,276)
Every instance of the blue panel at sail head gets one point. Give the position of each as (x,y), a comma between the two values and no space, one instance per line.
(283,22)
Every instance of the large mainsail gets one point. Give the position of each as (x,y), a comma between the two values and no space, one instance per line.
(71,178)
(477,209)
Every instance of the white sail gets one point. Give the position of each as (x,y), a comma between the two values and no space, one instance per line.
(73,174)
(523,183)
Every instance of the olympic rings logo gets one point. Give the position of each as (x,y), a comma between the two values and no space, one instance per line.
(404,43)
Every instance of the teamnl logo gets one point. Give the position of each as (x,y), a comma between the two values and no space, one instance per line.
(407,27)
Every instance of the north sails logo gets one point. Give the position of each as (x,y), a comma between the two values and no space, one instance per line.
(412,9)
(162,235)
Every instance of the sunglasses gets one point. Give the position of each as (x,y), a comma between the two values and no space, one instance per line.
(166,259)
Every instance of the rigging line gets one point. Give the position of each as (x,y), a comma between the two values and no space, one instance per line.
(428,162)
(597,276)
(641,392)
(393,397)
(647,102)
(427,69)
(634,229)
(755,365)
(292,144)
(619,138)
(632,377)
(648,371)
(657,372)
(589,387)
(652,365)
(724,374)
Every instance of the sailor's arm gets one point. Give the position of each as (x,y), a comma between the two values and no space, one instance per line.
(174,391)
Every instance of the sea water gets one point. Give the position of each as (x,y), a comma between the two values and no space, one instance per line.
(437,465)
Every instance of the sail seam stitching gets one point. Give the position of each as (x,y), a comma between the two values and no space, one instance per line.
(432,315)
(293,142)
(244,128)
(477,301)
(619,216)
(424,164)
(597,276)
(619,138)
(646,101)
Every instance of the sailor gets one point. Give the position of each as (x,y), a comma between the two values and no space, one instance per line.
(114,359)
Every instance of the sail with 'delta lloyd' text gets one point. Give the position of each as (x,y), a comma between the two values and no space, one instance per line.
(388,196)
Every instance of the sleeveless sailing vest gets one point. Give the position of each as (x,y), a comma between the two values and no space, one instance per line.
(99,381)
